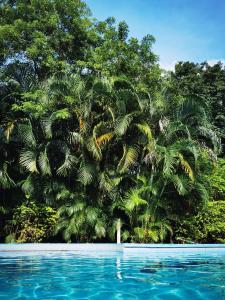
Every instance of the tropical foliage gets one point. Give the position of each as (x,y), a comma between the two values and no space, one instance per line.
(93,132)
(31,222)
(208,226)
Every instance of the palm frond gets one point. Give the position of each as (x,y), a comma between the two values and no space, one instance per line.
(27,185)
(85,173)
(43,163)
(186,167)
(64,194)
(146,130)
(105,183)
(181,184)
(94,148)
(82,124)
(125,235)
(140,234)
(212,136)
(92,214)
(8,130)
(5,181)
(68,165)
(100,229)
(102,86)
(122,124)
(104,138)
(112,113)
(46,125)
(133,200)
(61,114)
(202,192)
(26,135)
(130,155)
(169,161)
(75,138)
(28,160)
(153,235)
(72,209)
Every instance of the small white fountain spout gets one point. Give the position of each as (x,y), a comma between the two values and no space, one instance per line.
(118,232)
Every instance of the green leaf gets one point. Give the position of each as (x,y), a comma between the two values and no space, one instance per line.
(85,173)
(68,165)
(129,158)
(61,114)
(28,160)
(43,163)
(122,124)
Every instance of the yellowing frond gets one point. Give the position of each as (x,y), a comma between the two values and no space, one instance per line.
(186,167)
(81,122)
(145,128)
(8,130)
(104,138)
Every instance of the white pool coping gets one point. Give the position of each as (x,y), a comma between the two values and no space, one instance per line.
(107,247)
(60,247)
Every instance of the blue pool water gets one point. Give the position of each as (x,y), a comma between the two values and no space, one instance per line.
(111,276)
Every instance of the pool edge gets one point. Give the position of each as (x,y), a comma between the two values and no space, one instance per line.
(131,248)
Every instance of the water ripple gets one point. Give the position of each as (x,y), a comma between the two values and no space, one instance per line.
(67,276)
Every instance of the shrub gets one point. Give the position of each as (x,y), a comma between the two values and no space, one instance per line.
(31,222)
(217,180)
(208,226)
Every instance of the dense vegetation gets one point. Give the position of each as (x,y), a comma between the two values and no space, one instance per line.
(92,131)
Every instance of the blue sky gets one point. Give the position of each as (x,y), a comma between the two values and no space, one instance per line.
(184,29)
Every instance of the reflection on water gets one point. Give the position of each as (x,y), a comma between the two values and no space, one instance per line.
(118,268)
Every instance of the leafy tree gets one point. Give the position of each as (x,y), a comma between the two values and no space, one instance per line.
(205,86)
(54,34)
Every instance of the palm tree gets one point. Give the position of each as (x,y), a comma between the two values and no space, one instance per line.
(170,164)
(80,220)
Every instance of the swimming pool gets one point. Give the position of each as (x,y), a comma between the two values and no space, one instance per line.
(110,274)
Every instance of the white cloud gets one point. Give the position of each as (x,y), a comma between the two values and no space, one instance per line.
(168,66)
(212,62)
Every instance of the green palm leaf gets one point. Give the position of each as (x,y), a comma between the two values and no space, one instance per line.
(133,200)
(43,163)
(129,158)
(94,148)
(75,138)
(122,124)
(85,173)
(68,165)
(28,160)
(181,184)
(5,181)
(26,135)
(146,130)
(47,127)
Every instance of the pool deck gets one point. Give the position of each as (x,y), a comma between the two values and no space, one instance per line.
(125,248)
